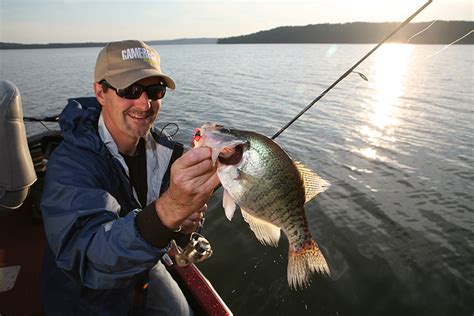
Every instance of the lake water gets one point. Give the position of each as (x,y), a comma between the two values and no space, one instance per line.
(396,226)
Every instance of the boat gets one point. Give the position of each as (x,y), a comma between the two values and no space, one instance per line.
(22,237)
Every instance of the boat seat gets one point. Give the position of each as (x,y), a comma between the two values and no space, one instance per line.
(17,172)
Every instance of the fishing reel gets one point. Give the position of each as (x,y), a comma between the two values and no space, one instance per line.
(197,250)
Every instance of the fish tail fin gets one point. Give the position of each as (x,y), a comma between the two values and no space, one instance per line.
(303,260)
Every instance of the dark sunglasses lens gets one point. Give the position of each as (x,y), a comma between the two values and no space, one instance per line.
(132,92)
(156,92)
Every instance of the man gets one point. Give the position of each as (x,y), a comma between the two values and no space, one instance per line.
(111,202)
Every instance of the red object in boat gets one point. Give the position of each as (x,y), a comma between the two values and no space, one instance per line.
(201,295)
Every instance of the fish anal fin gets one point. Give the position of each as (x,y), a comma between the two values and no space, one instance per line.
(267,233)
(313,184)
(229,205)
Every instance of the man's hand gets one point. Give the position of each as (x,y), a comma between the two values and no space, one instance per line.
(193,179)
(194,221)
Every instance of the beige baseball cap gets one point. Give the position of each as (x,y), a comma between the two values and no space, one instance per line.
(125,62)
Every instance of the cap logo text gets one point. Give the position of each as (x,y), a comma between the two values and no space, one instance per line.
(138,53)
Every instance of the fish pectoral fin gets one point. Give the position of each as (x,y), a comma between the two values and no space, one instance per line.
(313,184)
(267,233)
(245,176)
(228,204)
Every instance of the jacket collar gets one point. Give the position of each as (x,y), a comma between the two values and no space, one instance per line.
(157,156)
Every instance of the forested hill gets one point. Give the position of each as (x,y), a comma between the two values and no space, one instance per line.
(441,32)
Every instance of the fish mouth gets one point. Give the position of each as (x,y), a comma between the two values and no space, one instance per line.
(231,156)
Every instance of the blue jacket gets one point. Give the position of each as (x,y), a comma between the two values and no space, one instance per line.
(96,252)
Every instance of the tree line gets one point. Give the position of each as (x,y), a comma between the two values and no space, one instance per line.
(441,32)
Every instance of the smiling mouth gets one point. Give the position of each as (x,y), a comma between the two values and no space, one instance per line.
(140,116)
(137,117)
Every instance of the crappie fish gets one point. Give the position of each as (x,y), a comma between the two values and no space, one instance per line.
(271,190)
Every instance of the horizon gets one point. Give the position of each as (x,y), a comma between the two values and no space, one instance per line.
(55,21)
(210,38)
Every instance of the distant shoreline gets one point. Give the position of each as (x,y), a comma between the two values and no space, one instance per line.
(182,41)
(441,32)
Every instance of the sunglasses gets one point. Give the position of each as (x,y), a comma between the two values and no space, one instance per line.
(134,91)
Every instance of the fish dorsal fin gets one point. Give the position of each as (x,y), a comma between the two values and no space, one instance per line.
(313,184)
(228,204)
(267,233)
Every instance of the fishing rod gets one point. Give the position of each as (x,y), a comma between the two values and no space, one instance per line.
(351,69)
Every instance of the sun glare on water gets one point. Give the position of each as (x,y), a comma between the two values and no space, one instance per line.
(387,79)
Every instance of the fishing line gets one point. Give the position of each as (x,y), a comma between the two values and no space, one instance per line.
(45,126)
(170,134)
(423,30)
(350,70)
(452,43)
(352,91)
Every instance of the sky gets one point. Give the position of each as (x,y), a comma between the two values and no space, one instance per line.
(66,21)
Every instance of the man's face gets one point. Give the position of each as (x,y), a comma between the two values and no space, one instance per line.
(129,119)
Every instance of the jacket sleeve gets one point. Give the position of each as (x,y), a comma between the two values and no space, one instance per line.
(90,240)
